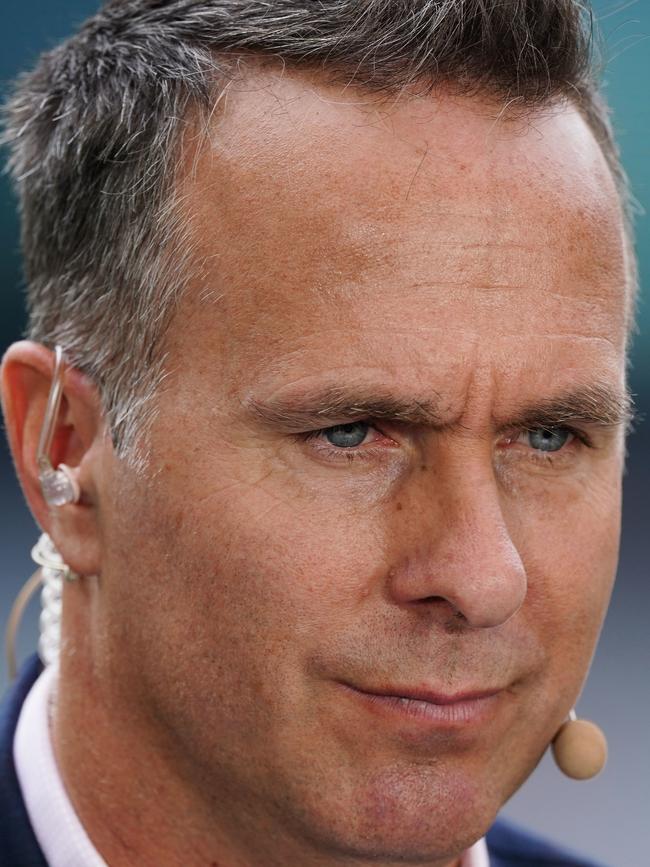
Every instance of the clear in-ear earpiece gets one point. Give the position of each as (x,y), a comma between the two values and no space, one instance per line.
(58,485)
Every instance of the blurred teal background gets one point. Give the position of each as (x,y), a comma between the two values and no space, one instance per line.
(608,818)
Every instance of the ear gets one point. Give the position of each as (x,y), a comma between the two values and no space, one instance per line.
(79,441)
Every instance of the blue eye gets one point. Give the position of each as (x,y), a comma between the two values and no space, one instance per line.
(548,439)
(347,436)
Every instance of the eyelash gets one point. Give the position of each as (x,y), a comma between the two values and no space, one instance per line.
(348,455)
(545,459)
(367,453)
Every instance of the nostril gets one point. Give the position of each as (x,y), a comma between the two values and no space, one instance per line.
(453,613)
(453,619)
(432,600)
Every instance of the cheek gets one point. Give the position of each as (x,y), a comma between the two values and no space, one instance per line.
(300,554)
(271,576)
(260,585)
(569,544)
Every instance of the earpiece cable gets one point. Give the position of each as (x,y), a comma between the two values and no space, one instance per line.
(51,413)
(15,618)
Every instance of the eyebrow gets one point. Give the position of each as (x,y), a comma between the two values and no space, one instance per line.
(596,404)
(340,405)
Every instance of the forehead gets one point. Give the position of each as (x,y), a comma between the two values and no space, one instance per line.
(317,209)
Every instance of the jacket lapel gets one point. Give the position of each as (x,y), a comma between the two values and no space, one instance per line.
(18,845)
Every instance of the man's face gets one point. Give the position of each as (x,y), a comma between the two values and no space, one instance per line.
(364,637)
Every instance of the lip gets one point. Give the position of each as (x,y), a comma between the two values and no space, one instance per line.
(429,707)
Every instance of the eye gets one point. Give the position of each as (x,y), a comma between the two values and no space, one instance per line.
(547,439)
(346,436)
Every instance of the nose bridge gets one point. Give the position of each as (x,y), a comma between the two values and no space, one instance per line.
(458,549)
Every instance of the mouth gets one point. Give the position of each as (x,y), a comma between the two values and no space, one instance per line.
(428,707)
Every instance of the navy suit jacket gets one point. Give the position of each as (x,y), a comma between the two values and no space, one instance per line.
(508,846)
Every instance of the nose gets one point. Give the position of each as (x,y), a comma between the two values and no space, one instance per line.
(459,559)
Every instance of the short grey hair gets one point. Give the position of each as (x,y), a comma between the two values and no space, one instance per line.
(95,134)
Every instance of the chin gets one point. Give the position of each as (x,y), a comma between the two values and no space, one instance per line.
(415,814)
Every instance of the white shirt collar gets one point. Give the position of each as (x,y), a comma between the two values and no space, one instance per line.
(477,856)
(59,832)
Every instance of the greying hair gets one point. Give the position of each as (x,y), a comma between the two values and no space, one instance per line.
(95,135)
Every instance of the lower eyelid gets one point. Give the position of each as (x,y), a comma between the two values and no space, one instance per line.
(568,453)
(332,455)
(372,435)
(376,446)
